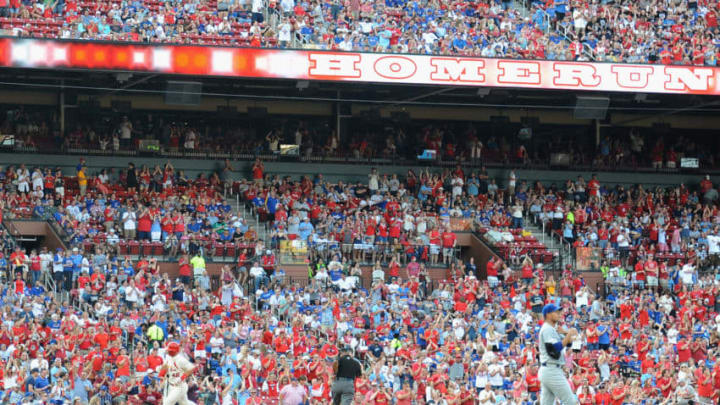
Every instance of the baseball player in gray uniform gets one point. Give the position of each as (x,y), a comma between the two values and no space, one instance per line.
(553,383)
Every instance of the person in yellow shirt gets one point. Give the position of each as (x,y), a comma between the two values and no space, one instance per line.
(200,274)
(155,334)
(82,181)
(550,285)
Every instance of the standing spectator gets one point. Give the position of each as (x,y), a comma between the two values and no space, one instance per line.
(144,224)
(19,261)
(373,181)
(129,223)
(59,185)
(82,180)
(258,172)
(449,242)
(126,130)
(259,276)
(199,271)
(517,214)
(37,179)
(185,270)
(23,179)
(35,267)
(131,180)
(512,182)
(57,267)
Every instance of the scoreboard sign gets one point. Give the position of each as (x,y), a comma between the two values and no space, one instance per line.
(199,60)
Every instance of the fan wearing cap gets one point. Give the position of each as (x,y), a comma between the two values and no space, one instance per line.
(177,369)
(553,383)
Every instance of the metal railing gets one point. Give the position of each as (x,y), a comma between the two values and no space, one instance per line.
(11,231)
(513,252)
(566,248)
(298,251)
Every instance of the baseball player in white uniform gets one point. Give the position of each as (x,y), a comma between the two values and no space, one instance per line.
(176,368)
(553,383)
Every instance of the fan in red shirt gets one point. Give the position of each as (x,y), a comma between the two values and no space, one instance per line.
(381,396)
(683,349)
(533,382)
(282,342)
(698,56)
(527,272)
(618,394)
(255,397)
(19,285)
(257,168)
(449,240)
(585,397)
(491,271)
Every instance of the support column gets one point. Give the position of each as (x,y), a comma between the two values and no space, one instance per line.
(597,133)
(61,102)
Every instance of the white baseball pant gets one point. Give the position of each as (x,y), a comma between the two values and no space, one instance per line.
(554,385)
(177,394)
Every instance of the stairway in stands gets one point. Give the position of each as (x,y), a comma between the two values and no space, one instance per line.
(240,209)
(551,241)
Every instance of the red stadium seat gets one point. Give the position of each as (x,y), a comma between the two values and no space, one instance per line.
(123,247)
(218,249)
(158,249)
(146,248)
(230,250)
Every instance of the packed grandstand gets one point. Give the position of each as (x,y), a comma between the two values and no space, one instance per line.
(649,336)
(429,247)
(680,32)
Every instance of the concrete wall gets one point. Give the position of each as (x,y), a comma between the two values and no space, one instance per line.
(298,273)
(475,248)
(333,171)
(35,228)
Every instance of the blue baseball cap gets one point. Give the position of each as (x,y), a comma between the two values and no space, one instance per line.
(549,308)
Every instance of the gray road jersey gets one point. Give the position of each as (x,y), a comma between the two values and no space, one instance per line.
(548,334)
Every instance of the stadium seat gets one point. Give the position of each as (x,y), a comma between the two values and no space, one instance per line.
(218,249)
(158,248)
(230,250)
(146,248)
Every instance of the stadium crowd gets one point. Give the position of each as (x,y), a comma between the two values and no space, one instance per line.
(624,31)
(651,337)
(472,143)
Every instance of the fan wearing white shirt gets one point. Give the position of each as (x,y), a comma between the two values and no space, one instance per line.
(714,247)
(486,396)
(496,372)
(687,273)
(582,298)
